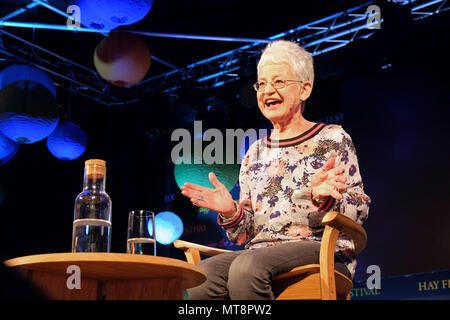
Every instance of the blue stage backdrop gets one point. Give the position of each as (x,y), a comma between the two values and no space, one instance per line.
(418,286)
(399,126)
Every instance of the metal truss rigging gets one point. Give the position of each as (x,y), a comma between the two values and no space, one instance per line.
(424,9)
(65,72)
(320,36)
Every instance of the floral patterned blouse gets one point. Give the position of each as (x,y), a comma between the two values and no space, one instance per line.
(275,204)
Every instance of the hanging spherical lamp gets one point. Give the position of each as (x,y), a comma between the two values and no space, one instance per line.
(121,12)
(169,227)
(8,149)
(28,112)
(67,142)
(19,72)
(122,59)
(196,170)
(89,19)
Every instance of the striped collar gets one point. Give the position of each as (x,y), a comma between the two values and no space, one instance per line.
(267,142)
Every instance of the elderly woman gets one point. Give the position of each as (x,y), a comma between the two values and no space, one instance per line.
(288,181)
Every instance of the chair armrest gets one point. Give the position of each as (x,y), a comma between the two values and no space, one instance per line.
(208,251)
(348,226)
(192,251)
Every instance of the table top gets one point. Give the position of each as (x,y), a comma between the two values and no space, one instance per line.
(108,266)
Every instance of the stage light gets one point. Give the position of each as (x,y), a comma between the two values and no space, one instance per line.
(67,142)
(8,149)
(122,59)
(123,12)
(28,112)
(169,227)
(89,19)
(19,72)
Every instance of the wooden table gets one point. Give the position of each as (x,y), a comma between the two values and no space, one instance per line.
(108,275)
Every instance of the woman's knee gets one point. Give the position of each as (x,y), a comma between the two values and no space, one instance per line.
(216,272)
(249,278)
(248,271)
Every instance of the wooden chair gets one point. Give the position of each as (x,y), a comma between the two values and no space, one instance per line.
(312,281)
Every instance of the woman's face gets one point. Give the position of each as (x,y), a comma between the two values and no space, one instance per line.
(279,105)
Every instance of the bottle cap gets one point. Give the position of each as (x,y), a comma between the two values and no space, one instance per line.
(95,168)
(98,162)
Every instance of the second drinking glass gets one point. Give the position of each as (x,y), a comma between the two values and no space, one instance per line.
(141,237)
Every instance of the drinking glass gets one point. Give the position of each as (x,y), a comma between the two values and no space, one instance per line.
(141,232)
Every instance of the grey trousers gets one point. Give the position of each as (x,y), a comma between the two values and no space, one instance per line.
(247,274)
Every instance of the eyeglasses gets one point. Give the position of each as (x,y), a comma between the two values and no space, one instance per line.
(277,84)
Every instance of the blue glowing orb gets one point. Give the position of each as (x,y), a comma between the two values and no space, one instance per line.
(67,142)
(28,112)
(121,12)
(89,19)
(169,227)
(8,149)
(23,72)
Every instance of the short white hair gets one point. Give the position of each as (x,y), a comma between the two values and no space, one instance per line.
(284,51)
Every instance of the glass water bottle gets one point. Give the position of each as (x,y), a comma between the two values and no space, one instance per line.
(92,212)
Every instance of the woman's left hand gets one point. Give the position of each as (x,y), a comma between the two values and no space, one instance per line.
(329,181)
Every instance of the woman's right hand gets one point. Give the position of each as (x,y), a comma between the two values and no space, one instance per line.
(218,199)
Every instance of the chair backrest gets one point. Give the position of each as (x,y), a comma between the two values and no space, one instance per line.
(335,223)
(347,226)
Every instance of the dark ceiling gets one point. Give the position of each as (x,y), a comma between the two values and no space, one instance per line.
(230,18)
(233,18)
